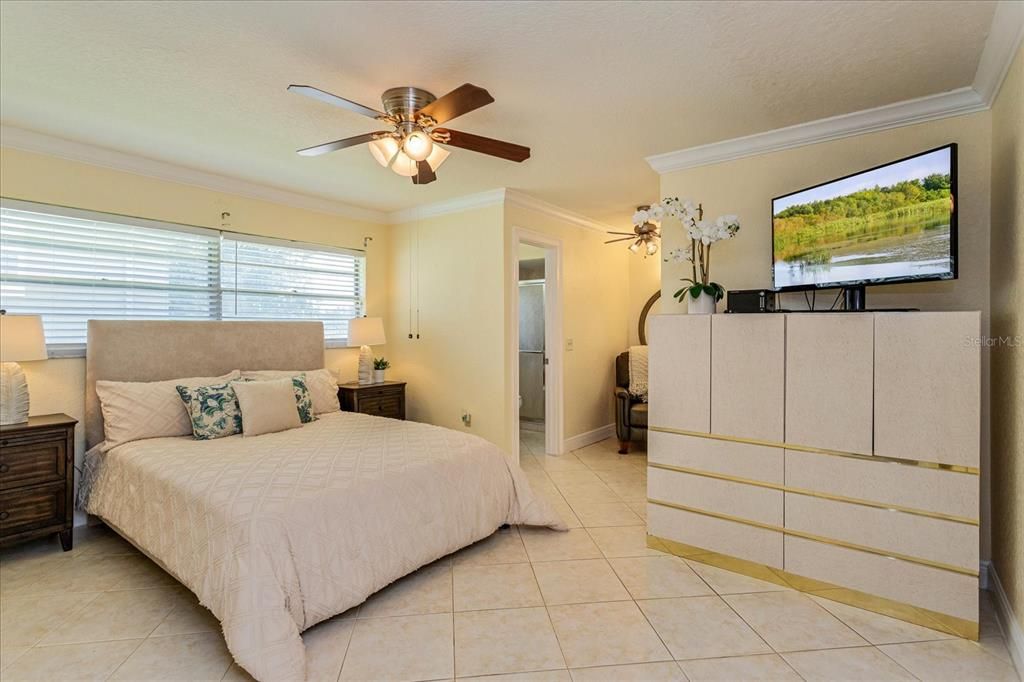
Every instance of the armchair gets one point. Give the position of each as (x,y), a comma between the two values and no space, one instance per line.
(630,413)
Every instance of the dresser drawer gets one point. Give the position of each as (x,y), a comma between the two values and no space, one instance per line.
(31,459)
(751,502)
(759,545)
(28,508)
(930,588)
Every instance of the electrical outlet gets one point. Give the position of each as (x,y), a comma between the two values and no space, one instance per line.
(467,418)
(568,344)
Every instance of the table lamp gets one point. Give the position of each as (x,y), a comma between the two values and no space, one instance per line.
(21,340)
(365,332)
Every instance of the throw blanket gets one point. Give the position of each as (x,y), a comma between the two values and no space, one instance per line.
(278,532)
(638,372)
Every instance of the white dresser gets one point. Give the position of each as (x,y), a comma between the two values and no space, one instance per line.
(834,453)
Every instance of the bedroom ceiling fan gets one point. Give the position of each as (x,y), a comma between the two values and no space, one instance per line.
(644,237)
(412,147)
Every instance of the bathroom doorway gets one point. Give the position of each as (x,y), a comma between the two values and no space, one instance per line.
(535,333)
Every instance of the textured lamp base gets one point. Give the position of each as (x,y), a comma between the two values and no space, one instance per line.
(365,365)
(13,394)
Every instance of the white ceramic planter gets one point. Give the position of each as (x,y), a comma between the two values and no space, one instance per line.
(702,305)
(378,376)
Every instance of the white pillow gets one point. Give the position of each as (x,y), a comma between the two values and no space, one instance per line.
(267,406)
(322,385)
(133,410)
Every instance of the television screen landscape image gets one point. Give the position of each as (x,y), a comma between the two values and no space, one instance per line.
(892,223)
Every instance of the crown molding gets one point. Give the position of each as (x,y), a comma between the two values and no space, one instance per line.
(39,143)
(954,103)
(492,197)
(1000,48)
(523,200)
(456,205)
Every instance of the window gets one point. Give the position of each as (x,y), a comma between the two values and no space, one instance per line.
(71,266)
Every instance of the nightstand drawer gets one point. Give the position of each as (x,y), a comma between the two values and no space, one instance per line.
(380,400)
(385,406)
(28,460)
(376,392)
(29,508)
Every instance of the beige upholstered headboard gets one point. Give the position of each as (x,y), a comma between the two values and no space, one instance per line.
(155,350)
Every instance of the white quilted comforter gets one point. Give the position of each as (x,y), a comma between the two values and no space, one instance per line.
(276,533)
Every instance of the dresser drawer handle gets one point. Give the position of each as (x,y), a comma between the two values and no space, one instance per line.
(4,515)
(4,468)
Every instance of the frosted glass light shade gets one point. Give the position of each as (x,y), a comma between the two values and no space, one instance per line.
(437,156)
(417,145)
(21,338)
(404,166)
(366,331)
(383,150)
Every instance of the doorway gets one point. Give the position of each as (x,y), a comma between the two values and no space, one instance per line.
(536,340)
(532,351)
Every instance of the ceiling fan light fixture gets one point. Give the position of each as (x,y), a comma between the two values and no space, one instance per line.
(438,155)
(652,247)
(383,150)
(404,166)
(417,145)
(635,246)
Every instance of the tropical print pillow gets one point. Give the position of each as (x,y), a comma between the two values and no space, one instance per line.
(303,399)
(213,410)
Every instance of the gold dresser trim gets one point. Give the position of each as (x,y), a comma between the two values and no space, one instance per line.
(819,538)
(813,493)
(960,627)
(953,468)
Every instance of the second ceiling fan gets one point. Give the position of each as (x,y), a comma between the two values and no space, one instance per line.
(412,147)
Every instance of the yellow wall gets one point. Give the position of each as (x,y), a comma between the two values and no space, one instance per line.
(746,186)
(1007,291)
(450,268)
(59,385)
(644,280)
(595,313)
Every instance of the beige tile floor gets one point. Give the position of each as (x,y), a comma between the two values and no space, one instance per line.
(525,604)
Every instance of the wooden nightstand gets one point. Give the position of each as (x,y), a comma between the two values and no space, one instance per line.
(386,399)
(37,479)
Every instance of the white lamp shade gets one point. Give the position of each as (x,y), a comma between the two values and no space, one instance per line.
(366,331)
(21,338)
(384,150)
(437,157)
(404,166)
(417,145)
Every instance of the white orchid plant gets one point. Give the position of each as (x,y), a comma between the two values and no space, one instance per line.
(703,234)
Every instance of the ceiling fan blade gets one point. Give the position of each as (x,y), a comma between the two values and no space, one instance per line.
(317,93)
(485,145)
(459,101)
(624,239)
(425,174)
(631,234)
(337,144)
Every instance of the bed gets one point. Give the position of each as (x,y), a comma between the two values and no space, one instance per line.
(278,532)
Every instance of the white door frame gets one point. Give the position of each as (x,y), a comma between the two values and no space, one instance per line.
(554,440)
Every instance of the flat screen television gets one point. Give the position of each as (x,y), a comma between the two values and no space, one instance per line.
(892,223)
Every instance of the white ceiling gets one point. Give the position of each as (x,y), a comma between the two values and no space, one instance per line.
(591,87)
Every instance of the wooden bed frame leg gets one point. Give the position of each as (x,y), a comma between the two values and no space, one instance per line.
(623,447)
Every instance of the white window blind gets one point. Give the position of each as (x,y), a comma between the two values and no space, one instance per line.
(71,266)
(268,280)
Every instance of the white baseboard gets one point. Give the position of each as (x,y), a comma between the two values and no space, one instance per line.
(1008,623)
(582,440)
